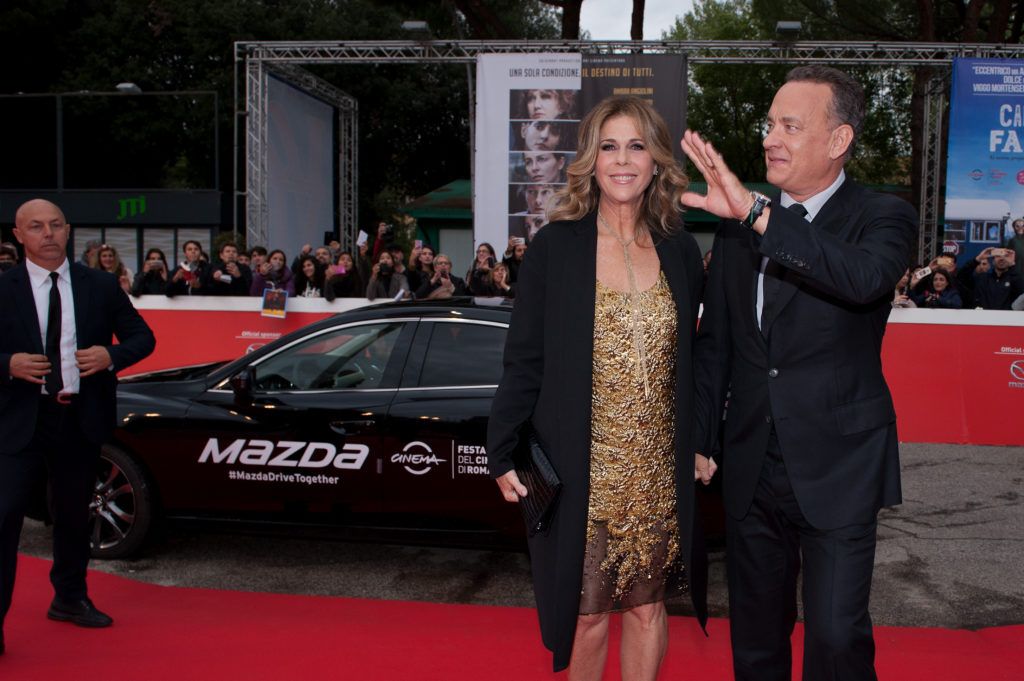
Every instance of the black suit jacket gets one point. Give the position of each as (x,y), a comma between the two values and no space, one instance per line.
(816,367)
(102,310)
(548,381)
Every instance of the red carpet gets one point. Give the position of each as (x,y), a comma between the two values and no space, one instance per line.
(175,633)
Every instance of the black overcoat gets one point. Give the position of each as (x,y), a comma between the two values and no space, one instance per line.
(548,380)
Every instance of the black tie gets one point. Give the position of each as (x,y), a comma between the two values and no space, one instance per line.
(773,274)
(54,379)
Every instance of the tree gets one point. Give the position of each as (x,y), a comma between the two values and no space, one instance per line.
(993,21)
(726,102)
(414,126)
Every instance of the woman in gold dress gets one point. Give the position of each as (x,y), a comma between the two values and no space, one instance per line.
(598,364)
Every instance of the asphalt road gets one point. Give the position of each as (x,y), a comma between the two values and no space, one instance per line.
(952,555)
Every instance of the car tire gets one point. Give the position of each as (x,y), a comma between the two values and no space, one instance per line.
(121,508)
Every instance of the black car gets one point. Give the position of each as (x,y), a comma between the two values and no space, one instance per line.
(374,418)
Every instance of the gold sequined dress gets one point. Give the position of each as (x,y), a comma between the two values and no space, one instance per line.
(632,554)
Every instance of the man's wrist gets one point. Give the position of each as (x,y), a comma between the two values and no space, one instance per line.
(758,203)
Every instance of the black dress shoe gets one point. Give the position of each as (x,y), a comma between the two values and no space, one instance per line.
(83,613)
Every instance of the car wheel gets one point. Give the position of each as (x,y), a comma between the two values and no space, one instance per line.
(121,509)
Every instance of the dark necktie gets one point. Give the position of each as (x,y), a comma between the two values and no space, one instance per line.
(54,379)
(773,273)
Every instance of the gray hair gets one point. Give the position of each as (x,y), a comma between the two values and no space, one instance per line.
(847,105)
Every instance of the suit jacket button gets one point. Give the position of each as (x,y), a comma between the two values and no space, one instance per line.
(773,372)
(767,419)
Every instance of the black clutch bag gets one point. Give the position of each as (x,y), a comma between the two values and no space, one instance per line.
(542,484)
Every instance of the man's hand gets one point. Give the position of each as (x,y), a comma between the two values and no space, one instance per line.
(726,197)
(31,368)
(985,254)
(92,360)
(233,270)
(510,487)
(704,468)
(307,249)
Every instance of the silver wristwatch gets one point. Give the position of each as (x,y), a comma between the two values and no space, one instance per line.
(760,203)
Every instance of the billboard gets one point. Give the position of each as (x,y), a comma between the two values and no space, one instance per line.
(985,167)
(529,108)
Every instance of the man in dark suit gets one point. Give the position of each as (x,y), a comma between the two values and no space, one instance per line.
(795,309)
(58,384)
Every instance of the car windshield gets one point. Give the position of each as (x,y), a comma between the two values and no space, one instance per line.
(345,358)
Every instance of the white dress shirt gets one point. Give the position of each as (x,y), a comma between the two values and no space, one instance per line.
(41,285)
(813,205)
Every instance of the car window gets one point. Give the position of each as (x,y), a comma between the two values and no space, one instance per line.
(341,359)
(460,353)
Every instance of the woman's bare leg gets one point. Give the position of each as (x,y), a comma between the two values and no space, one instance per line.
(644,641)
(589,648)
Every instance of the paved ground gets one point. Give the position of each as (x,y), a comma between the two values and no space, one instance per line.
(952,555)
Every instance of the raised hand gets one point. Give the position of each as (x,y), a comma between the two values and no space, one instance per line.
(726,197)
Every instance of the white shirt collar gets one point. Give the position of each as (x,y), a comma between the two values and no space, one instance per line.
(815,203)
(39,276)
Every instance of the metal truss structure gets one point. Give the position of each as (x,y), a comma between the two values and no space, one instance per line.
(257,55)
(347,135)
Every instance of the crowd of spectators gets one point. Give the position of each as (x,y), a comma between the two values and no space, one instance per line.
(374,272)
(993,280)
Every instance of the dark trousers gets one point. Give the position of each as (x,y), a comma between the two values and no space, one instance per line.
(60,451)
(765,549)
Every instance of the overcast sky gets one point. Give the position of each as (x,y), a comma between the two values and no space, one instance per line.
(610,19)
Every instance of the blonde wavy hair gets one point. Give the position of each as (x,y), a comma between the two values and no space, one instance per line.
(661,210)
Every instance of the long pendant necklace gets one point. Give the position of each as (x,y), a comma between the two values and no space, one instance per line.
(636,323)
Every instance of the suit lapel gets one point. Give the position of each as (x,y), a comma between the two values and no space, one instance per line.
(675,273)
(26,302)
(81,291)
(832,218)
(575,272)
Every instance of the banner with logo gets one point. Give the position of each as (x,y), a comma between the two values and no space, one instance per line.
(985,167)
(528,112)
(980,352)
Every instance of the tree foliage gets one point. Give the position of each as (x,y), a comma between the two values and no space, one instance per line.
(729,102)
(897,97)
(413,120)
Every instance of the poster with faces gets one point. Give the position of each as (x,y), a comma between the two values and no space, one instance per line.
(529,108)
(528,115)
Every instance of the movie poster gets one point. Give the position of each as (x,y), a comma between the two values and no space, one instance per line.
(528,113)
(985,167)
(658,78)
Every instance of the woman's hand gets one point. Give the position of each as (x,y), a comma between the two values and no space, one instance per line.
(510,486)
(375,271)
(704,468)
(726,197)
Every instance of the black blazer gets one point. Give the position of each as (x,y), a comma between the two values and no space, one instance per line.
(548,380)
(102,310)
(816,368)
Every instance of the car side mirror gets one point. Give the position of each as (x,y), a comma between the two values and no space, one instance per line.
(242,385)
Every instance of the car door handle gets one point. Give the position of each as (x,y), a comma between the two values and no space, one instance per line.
(342,427)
